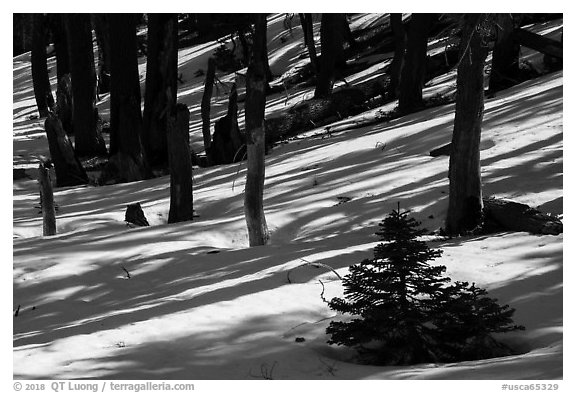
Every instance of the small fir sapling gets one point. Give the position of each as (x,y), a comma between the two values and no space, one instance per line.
(405,312)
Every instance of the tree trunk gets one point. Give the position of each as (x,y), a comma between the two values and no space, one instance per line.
(308,29)
(102,30)
(69,171)
(332,40)
(125,113)
(205,106)
(40,78)
(465,202)
(254,112)
(46,201)
(161,85)
(181,200)
(227,141)
(60,45)
(505,56)
(87,140)
(414,69)
(64,103)
(399,33)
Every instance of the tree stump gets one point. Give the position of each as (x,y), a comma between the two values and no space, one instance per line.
(181,200)
(135,215)
(46,200)
(69,171)
(227,142)
(514,216)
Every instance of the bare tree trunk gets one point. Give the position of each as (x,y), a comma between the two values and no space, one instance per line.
(181,200)
(46,201)
(465,202)
(505,56)
(308,29)
(40,78)
(414,70)
(102,29)
(60,45)
(255,132)
(399,33)
(161,85)
(87,139)
(332,40)
(205,106)
(69,171)
(125,113)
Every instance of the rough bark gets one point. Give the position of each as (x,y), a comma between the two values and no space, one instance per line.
(399,34)
(125,114)
(87,140)
(505,56)
(332,56)
(161,85)
(514,216)
(465,201)
(205,105)
(226,146)
(40,78)
(64,103)
(102,30)
(308,29)
(46,201)
(414,69)
(181,200)
(60,45)
(69,171)
(254,113)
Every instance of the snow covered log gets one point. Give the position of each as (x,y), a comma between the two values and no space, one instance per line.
(516,216)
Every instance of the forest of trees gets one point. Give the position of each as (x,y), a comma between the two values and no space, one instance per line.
(147,143)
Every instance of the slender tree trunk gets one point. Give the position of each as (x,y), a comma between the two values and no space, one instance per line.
(465,202)
(505,56)
(205,106)
(308,29)
(332,40)
(414,69)
(46,201)
(254,112)
(102,29)
(181,202)
(125,112)
(60,45)
(40,78)
(161,84)
(399,33)
(88,140)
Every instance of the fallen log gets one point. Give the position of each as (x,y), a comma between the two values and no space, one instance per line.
(514,216)
(442,151)
(539,43)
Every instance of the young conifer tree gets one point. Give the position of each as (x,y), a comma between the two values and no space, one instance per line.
(404,310)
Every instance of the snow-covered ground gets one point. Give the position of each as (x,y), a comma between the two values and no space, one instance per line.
(200,304)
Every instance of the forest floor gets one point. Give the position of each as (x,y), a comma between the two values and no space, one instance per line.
(198,303)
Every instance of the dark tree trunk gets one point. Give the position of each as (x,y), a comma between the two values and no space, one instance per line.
(399,33)
(465,202)
(69,171)
(181,200)
(125,113)
(65,103)
(87,140)
(308,29)
(254,112)
(40,78)
(46,201)
(102,29)
(226,146)
(205,106)
(505,56)
(332,40)
(414,69)
(161,85)
(60,45)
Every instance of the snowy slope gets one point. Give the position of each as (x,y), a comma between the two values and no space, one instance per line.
(200,304)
